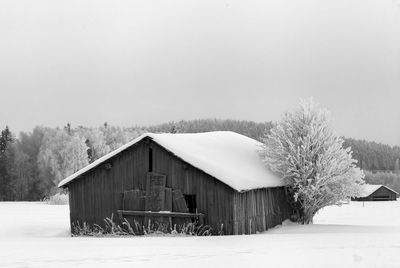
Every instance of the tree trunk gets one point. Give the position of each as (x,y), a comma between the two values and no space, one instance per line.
(308,215)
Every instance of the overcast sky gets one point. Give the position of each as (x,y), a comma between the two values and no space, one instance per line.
(146,62)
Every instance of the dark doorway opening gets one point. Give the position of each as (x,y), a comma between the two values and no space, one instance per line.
(150,160)
(191,202)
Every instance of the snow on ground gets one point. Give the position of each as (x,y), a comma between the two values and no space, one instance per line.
(353,235)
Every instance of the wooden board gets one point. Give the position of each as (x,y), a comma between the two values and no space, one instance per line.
(168,199)
(155,198)
(168,214)
(178,202)
(134,200)
(155,192)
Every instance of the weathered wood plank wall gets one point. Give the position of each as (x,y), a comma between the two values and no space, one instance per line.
(100,192)
(260,209)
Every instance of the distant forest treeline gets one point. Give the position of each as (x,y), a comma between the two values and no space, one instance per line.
(32,164)
(375,156)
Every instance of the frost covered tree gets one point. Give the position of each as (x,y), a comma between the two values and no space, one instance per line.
(114,137)
(62,154)
(303,150)
(95,141)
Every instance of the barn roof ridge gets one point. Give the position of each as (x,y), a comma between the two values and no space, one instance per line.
(230,157)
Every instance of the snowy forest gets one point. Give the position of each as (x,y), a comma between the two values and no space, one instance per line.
(32,164)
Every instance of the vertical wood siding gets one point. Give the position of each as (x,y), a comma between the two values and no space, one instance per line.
(98,194)
(260,209)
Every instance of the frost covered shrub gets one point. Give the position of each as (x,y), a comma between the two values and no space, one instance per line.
(57,199)
(193,229)
(152,228)
(303,150)
(110,229)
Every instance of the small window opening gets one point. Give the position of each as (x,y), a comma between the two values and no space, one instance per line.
(150,160)
(191,202)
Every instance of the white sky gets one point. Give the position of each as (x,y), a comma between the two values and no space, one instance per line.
(145,62)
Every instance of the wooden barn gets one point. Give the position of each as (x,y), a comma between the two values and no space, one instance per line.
(377,193)
(216,178)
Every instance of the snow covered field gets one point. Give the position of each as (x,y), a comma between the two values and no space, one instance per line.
(37,235)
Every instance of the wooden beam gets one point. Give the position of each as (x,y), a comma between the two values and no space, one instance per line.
(159,214)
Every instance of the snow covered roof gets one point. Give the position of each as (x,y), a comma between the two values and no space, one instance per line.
(371,188)
(227,156)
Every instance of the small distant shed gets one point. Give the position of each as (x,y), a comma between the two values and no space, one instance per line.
(377,193)
(217,178)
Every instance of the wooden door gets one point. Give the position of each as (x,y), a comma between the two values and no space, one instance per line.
(155,200)
(155,192)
